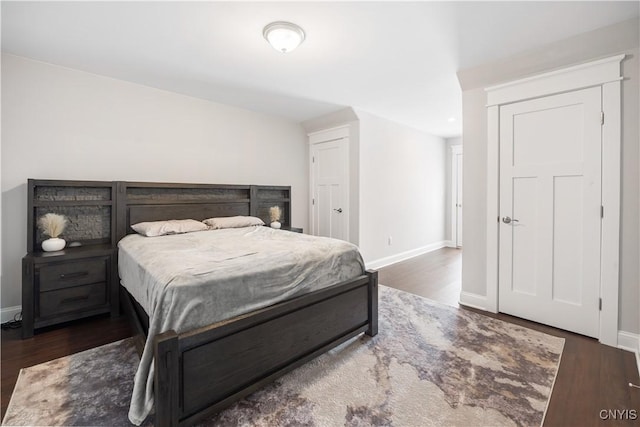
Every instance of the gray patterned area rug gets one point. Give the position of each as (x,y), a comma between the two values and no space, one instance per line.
(430,365)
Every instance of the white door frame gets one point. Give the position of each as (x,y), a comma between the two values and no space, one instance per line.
(455,150)
(606,74)
(328,135)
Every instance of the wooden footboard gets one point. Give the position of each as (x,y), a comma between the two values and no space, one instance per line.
(200,372)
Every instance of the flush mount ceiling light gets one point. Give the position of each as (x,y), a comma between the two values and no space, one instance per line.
(283,36)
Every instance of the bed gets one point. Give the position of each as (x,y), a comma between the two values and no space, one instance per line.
(199,371)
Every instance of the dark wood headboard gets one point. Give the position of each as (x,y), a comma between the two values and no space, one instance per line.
(150,201)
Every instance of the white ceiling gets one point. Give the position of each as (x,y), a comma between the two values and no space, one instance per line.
(393,59)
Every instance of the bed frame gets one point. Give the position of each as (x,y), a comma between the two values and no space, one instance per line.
(200,372)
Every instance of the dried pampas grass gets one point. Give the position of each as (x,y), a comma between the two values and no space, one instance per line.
(52,224)
(274,213)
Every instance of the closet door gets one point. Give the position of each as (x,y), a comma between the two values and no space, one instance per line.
(550,210)
(329,182)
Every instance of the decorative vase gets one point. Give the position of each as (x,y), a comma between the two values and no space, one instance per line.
(53,244)
(276,224)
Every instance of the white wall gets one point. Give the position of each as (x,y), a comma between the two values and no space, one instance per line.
(474,197)
(60,123)
(8,315)
(619,38)
(397,186)
(402,189)
(629,313)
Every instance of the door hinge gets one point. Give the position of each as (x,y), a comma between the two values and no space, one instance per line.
(602,117)
(313,159)
(601,211)
(600,304)
(313,201)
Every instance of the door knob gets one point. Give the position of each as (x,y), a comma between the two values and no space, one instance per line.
(339,210)
(508,220)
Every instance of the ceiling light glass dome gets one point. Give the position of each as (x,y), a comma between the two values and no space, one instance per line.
(283,36)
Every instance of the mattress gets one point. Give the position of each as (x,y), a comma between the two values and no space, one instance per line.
(186,281)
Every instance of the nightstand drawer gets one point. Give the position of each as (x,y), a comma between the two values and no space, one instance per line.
(61,301)
(60,276)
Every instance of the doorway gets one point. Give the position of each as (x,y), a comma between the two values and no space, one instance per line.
(329,156)
(550,192)
(603,75)
(456,196)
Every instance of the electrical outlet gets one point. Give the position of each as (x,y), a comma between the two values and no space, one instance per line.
(390,240)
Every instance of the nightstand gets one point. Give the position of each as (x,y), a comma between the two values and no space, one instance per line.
(78,281)
(67,285)
(293,229)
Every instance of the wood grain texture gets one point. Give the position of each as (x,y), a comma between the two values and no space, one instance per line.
(64,196)
(435,275)
(167,378)
(198,212)
(56,276)
(221,363)
(67,285)
(216,370)
(78,281)
(149,201)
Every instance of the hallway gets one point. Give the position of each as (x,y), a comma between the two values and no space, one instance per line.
(435,275)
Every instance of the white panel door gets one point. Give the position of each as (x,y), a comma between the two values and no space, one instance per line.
(329,203)
(458,237)
(550,210)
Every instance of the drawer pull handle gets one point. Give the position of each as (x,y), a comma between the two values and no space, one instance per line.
(74,299)
(74,275)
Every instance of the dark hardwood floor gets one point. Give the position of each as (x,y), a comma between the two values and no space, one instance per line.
(592,377)
(436,275)
(53,343)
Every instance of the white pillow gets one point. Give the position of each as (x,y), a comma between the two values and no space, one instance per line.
(233,222)
(172,226)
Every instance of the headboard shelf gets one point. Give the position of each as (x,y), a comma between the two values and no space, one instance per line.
(75,252)
(139,202)
(87,205)
(102,212)
(167,201)
(270,193)
(74,191)
(73,203)
(274,199)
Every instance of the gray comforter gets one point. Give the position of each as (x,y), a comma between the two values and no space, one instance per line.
(186,281)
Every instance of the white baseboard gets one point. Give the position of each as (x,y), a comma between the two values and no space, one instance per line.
(383,262)
(449,244)
(630,342)
(469,299)
(8,313)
